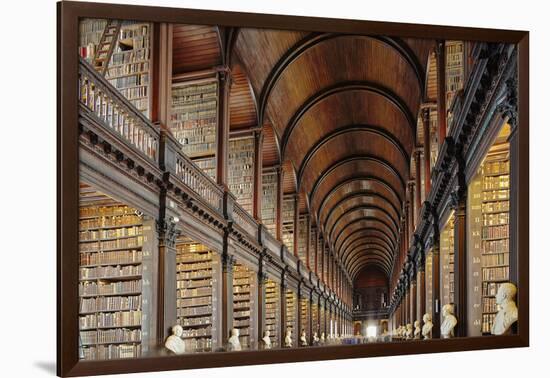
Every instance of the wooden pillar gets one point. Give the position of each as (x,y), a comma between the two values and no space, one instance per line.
(412,209)
(279,205)
(460,276)
(262,280)
(421,292)
(228,262)
(257,190)
(222,134)
(316,252)
(308,240)
(436,301)
(296,224)
(418,184)
(282,317)
(441,92)
(413,299)
(427,151)
(161,80)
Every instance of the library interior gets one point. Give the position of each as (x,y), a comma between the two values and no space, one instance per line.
(246,188)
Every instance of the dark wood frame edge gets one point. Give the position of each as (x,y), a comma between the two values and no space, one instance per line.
(67,188)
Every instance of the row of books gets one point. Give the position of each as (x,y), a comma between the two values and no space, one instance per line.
(191,274)
(197,332)
(110,304)
(269,200)
(133,80)
(110,272)
(186,322)
(119,335)
(501,167)
(91,235)
(242,297)
(190,284)
(134,31)
(123,220)
(496,182)
(183,108)
(104,245)
(134,93)
(130,56)
(111,258)
(127,69)
(111,319)
(194,311)
(496,195)
(194,267)
(240,323)
(495,232)
(182,293)
(120,287)
(302,234)
(207,165)
(495,274)
(495,259)
(193,257)
(494,219)
(105,211)
(182,93)
(487,321)
(185,302)
(490,288)
(496,246)
(489,304)
(491,207)
(105,352)
(239,282)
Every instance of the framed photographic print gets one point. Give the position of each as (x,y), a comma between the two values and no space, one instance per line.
(242,189)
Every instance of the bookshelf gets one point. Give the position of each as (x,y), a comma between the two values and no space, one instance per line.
(434,142)
(312,242)
(314,318)
(304,316)
(489,243)
(90,31)
(241,171)
(302,239)
(243,303)
(429,283)
(272,311)
(447,262)
(291,319)
(288,222)
(197,269)
(319,257)
(322,319)
(269,200)
(111,238)
(454,75)
(193,120)
(129,65)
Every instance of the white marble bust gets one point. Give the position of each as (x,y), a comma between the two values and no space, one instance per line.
(322,340)
(315,339)
(417,329)
(288,338)
(174,342)
(409,331)
(303,338)
(507,311)
(427,327)
(449,322)
(234,342)
(266,340)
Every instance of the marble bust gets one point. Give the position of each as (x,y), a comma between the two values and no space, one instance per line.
(507,311)
(417,329)
(303,339)
(315,339)
(427,327)
(174,342)
(288,338)
(234,342)
(409,331)
(449,321)
(266,340)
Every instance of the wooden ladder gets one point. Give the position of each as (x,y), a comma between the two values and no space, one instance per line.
(106,46)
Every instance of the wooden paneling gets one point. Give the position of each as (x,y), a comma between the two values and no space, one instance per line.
(289,178)
(270,151)
(242,109)
(195,48)
(431,79)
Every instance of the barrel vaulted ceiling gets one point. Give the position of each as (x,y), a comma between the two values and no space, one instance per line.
(340,115)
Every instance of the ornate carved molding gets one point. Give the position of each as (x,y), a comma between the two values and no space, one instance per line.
(509,107)
(167,232)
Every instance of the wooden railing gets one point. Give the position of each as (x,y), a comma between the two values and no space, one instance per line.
(198,181)
(245,220)
(116,112)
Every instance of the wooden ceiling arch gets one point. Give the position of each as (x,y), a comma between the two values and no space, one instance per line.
(371,236)
(373,251)
(373,231)
(364,243)
(365,260)
(364,222)
(356,199)
(357,212)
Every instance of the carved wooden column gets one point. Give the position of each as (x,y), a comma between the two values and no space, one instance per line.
(440,57)
(413,298)
(427,151)
(282,303)
(296,224)
(412,209)
(222,134)
(421,286)
(161,80)
(436,301)
(308,239)
(257,190)
(279,205)
(262,280)
(166,278)
(418,184)
(228,262)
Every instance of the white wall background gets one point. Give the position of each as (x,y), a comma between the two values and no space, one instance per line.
(27,158)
